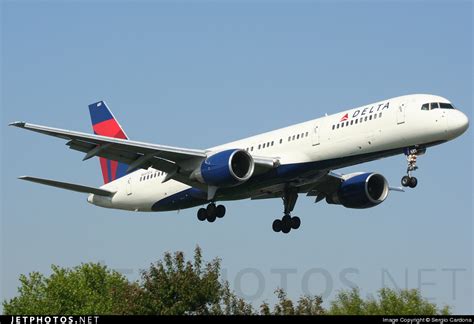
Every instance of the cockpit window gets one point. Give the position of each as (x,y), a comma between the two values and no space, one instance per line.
(445,106)
(436,105)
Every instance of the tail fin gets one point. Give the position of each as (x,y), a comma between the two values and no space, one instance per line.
(105,124)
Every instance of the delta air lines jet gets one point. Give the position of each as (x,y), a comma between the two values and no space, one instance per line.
(284,163)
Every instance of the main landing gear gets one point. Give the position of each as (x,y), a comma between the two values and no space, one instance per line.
(211,212)
(412,154)
(287,222)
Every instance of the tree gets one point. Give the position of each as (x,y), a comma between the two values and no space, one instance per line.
(306,305)
(90,288)
(174,286)
(389,302)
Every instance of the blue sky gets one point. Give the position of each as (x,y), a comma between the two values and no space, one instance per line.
(199,74)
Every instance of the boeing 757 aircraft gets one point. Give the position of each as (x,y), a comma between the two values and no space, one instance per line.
(298,159)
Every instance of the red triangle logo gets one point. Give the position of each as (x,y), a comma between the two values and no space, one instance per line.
(344,118)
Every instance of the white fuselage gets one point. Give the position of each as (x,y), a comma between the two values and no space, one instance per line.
(383,126)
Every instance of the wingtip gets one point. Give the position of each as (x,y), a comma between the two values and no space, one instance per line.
(23,177)
(399,189)
(18,124)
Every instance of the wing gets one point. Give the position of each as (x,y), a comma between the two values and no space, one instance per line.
(177,162)
(323,184)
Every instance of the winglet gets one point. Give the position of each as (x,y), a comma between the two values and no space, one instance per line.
(18,124)
(399,189)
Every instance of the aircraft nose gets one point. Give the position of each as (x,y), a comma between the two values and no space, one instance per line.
(458,123)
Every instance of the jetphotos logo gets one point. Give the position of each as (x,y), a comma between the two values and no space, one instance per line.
(365,111)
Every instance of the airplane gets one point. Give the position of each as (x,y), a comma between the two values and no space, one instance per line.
(284,163)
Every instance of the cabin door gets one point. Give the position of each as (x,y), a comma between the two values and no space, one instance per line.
(401,114)
(129,186)
(315,135)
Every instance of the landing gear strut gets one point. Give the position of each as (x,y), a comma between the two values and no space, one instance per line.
(211,212)
(287,222)
(411,154)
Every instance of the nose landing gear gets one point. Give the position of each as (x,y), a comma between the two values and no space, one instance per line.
(412,154)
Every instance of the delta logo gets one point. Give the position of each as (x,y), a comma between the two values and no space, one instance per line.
(365,111)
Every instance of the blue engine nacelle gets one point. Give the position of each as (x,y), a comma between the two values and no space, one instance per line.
(226,168)
(361,191)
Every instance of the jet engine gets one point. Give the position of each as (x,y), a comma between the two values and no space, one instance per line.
(360,191)
(225,169)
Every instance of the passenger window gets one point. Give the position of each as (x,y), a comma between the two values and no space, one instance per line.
(370,117)
(375,116)
(380,115)
(263,146)
(333,127)
(342,125)
(365,119)
(268,144)
(272,143)
(352,122)
(293,138)
(281,140)
(298,136)
(307,133)
(251,149)
(361,120)
(289,138)
(338,126)
(434,105)
(425,107)
(259,146)
(356,121)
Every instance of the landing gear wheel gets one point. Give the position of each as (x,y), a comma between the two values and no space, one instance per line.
(211,217)
(276,225)
(202,214)
(406,181)
(220,211)
(286,219)
(413,182)
(286,226)
(295,222)
(211,213)
(211,209)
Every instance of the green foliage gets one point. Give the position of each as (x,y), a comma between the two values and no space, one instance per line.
(175,286)
(86,289)
(307,305)
(389,302)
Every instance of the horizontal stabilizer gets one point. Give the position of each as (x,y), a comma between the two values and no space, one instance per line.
(69,186)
